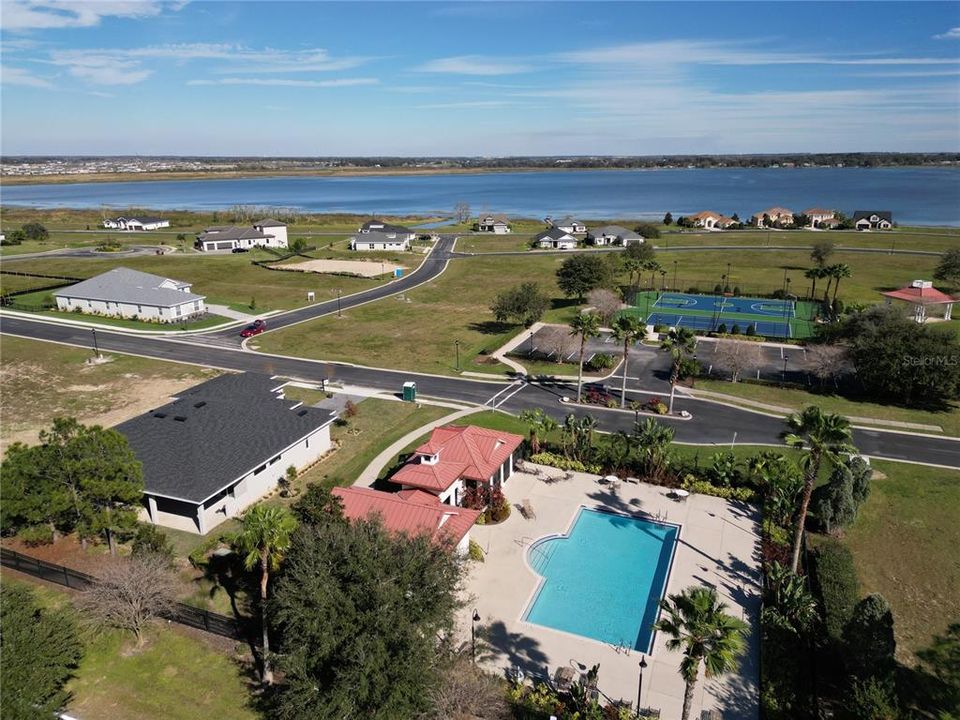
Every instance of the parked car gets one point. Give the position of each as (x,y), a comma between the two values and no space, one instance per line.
(240,250)
(255,328)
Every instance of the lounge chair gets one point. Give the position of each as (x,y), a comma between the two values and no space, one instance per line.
(527,510)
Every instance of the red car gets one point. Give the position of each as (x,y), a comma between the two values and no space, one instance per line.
(256,328)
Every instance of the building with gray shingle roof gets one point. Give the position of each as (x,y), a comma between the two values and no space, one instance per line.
(220,447)
(612,235)
(556,239)
(127,293)
(263,233)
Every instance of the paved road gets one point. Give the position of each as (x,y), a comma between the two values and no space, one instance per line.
(712,423)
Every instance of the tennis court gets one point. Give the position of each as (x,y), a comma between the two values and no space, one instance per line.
(770,318)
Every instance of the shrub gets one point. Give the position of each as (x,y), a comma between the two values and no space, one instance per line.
(499,507)
(476,552)
(558,461)
(775,533)
(151,540)
(476,497)
(692,290)
(350,409)
(836,583)
(648,231)
(736,290)
(722,328)
(656,405)
(735,330)
(751,330)
(601,361)
(870,644)
(717,289)
(703,487)
(36,535)
(659,328)
(873,699)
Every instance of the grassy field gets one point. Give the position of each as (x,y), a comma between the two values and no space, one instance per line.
(40,381)
(904,543)
(795,399)
(177,675)
(420,334)
(933,239)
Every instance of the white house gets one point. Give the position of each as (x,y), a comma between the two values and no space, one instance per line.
(710,220)
(613,235)
(264,233)
(873,219)
(378,226)
(457,457)
(412,512)
(220,447)
(497,224)
(567,224)
(127,293)
(136,223)
(377,240)
(820,216)
(556,239)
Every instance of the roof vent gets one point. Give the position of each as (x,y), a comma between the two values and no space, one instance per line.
(301,413)
(200,404)
(180,418)
(159,415)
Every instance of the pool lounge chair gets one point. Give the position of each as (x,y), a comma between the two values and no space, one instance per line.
(526,509)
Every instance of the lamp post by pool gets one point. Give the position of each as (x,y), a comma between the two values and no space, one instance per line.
(643,664)
(96,348)
(473,635)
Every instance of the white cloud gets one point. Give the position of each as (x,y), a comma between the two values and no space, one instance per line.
(100,67)
(951,34)
(285,82)
(475,104)
(50,14)
(19,76)
(474,65)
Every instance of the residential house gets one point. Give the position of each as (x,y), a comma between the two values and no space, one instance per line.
(820,217)
(613,235)
(127,293)
(458,457)
(264,233)
(708,220)
(220,447)
(556,239)
(411,512)
(872,219)
(379,240)
(496,224)
(378,226)
(567,224)
(135,223)
(776,216)
(921,294)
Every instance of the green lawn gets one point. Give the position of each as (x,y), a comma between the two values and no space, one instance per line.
(421,333)
(797,399)
(40,381)
(904,543)
(935,239)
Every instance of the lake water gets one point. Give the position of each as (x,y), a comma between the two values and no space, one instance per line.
(921,196)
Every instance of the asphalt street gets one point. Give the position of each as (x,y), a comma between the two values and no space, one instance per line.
(711,424)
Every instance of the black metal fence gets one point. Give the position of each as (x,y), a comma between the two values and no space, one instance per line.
(182,614)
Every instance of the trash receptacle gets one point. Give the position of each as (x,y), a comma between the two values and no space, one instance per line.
(410,391)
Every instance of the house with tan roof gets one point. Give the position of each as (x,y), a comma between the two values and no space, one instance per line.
(774,216)
(457,457)
(412,513)
(710,220)
(821,216)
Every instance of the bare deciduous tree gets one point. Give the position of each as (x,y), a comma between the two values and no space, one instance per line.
(557,341)
(605,302)
(461,211)
(465,693)
(129,595)
(827,362)
(736,356)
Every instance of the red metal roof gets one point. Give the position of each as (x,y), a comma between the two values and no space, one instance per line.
(921,296)
(412,512)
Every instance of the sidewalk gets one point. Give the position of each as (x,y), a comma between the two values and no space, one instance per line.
(373,470)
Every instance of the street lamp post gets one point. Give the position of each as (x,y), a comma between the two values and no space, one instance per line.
(339,314)
(473,635)
(643,664)
(674,275)
(96,348)
(783,376)
(457,343)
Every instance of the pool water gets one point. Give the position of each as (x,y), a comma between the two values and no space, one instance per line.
(605,579)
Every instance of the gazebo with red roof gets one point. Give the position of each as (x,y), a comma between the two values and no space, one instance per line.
(922,294)
(456,457)
(412,512)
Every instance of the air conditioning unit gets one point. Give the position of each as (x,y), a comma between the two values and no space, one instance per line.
(922,284)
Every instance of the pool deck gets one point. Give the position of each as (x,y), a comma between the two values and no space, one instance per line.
(719,545)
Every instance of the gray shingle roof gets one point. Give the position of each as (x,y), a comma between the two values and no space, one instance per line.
(269,222)
(215,433)
(378,236)
(614,230)
(379,225)
(554,233)
(130,286)
(865,215)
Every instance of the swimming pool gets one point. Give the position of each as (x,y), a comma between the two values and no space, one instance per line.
(604,580)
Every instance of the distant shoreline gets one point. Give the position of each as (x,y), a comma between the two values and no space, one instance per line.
(249,174)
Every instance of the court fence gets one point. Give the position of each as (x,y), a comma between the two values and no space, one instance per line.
(182,614)
(667,283)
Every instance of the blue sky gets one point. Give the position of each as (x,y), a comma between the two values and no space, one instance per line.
(488,78)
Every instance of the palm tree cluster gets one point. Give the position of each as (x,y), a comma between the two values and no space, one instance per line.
(833,274)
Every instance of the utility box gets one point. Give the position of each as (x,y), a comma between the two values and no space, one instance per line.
(410,391)
(398,272)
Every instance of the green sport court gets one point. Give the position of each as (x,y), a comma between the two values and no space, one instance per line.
(770,318)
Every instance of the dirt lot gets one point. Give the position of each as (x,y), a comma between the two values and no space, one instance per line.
(41,381)
(358,267)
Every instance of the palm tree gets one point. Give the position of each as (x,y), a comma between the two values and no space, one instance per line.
(814,274)
(696,623)
(540,424)
(586,325)
(263,540)
(825,436)
(681,342)
(629,329)
(839,271)
(653,440)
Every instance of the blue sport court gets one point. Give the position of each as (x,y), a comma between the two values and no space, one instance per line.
(605,579)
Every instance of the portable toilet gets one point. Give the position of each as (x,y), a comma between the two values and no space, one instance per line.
(410,391)
(398,272)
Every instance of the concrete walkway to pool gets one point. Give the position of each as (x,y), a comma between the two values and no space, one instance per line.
(718,546)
